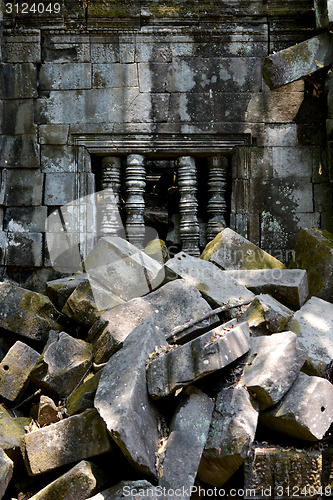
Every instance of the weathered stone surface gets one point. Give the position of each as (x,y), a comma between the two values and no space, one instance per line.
(230,250)
(65,76)
(12,430)
(6,472)
(313,324)
(62,364)
(211,281)
(298,61)
(114,75)
(230,436)
(15,369)
(171,305)
(305,412)
(83,397)
(24,249)
(27,313)
(122,398)
(60,290)
(185,364)
(20,152)
(276,472)
(57,159)
(26,219)
(78,483)
(289,286)
(21,114)
(129,489)
(273,366)
(324,13)
(314,253)
(18,81)
(22,187)
(186,441)
(69,440)
(53,134)
(47,411)
(19,47)
(266,315)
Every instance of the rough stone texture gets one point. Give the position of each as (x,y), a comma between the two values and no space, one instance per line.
(72,439)
(313,324)
(60,290)
(27,313)
(25,219)
(298,61)
(24,247)
(266,315)
(12,430)
(22,187)
(214,284)
(83,397)
(185,364)
(47,411)
(230,250)
(231,433)
(314,253)
(324,13)
(122,398)
(128,489)
(305,412)
(289,286)
(15,369)
(273,366)
(186,441)
(171,305)
(6,472)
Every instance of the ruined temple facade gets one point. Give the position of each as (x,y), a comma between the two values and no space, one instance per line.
(163,101)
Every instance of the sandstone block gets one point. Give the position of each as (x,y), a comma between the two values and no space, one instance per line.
(26,219)
(21,152)
(305,412)
(83,397)
(58,158)
(114,75)
(229,250)
(22,187)
(230,436)
(266,315)
(18,81)
(60,290)
(53,134)
(12,430)
(21,112)
(65,76)
(187,363)
(324,13)
(6,472)
(24,249)
(128,489)
(18,47)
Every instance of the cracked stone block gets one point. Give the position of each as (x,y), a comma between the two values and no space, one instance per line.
(324,13)
(230,436)
(80,482)
(187,363)
(298,61)
(288,286)
(12,430)
(83,397)
(15,370)
(266,315)
(123,402)
(129,489)
(273,365)
(212,282)
(62,364)
(313,324)
(27,313)
(70,440)
(229,250)
(171,305)
(314,253)
(60,290)
(47,411)
(277,472)
(188,432)
(305,412)
(6,472)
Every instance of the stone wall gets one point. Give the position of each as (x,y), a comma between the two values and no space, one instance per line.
(173,77)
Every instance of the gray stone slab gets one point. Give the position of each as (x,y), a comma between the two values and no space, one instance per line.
(273,365)
(289,286)
(266,315)
(83,397)
(53,134)
(130,490)
(60,188)
(74,48)
(230,436)
(230,250)
(171,305)
(18,47)
(313,324)
(22,187)
(6,472)
(187,363)
(18,81)
(21,112)
(305,412)
(70,440)
(12,430)
(27,219)
(114,75)
(65,76)
(24,249)
(324,13)
(214,284)
(122,398)
(20,152)
(186,441)
(58,159)
(60,290)
(298,61)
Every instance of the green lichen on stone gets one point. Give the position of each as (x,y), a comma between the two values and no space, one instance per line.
(212,247)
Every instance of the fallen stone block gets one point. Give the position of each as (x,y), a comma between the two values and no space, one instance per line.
(229,250)
(313,324)
(15,369)
(314,253)
(122,398)
(298,61)
(277,472)
(27,313)
(324,13)
(48,413)
(79,483)
(288,286)
(266,315)
(6,472)
(305,412)
(187,363)
(186,441)
(129,489)
(171,305)
(12,430)
(83,397)
(230,436)
(273,365)
(70,440)
(62,364)
(212,282)
(60,290)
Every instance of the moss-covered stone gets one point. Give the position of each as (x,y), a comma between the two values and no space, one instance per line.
(59,290)
(266,315)
(83,397)
(6,472)
(12,430)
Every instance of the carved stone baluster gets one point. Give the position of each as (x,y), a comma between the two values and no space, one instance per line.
(135,205)
(217,206)
(109,204)
(188,205)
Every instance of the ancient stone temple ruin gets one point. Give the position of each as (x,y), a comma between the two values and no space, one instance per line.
(165,103)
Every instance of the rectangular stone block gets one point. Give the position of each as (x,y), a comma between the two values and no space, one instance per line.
(21,48)
(65,76)
(105,49)
(57,159)
(53,134)
(114,75)
(18,81)
(292,162)
(24,249)
(6,472)
(281,135)
(60,188)
(266,315)
(21,113)
(72,48)
(12,430)
(324,13)
(59,290)
(19,151)
(288,194)
(27,219)
(22,187)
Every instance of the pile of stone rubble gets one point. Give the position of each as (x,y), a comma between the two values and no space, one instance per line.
(127,381)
